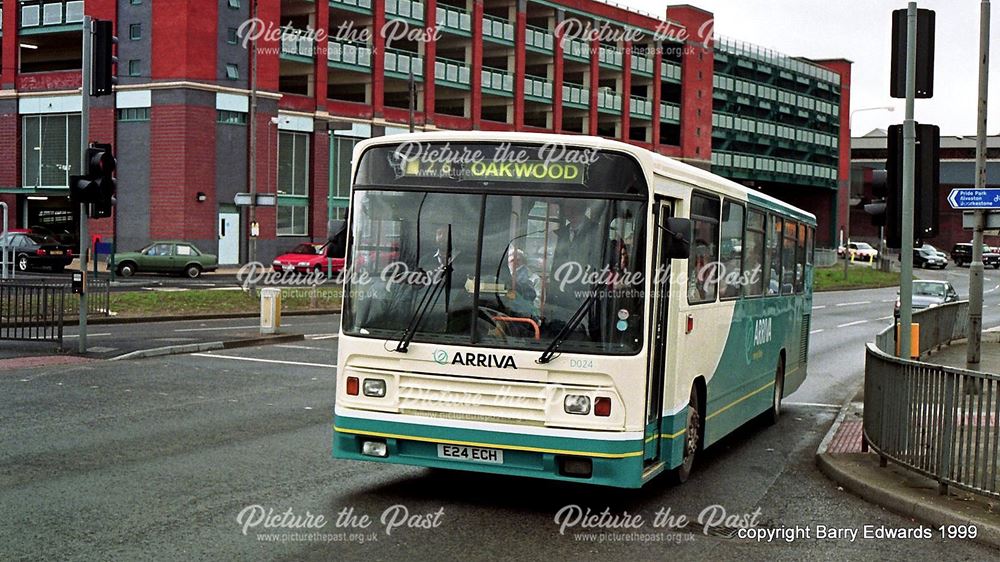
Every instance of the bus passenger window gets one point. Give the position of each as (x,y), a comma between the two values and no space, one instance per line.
(753,265)
(704,261)
(800,260)
(731,250)
(788,258)
(773,255)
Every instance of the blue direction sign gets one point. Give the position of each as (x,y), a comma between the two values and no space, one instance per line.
(970,198)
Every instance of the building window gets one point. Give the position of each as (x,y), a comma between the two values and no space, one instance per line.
(232,36)
(136,2)
(135,31)
(293,184)
(232,117)
(51,150)
(134,67)
(343,149)
(133,114)
(232,71)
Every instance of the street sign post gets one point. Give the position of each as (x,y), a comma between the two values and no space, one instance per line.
(975,329)
(972,198)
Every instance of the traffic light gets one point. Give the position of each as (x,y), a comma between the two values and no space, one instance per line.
(926,184)
(925,54)
(98,188)
(877,207)
(104,60)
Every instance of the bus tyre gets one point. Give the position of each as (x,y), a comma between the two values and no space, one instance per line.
(779,388)
(692,438)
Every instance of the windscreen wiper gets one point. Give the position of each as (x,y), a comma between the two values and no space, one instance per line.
(418,315)
(574,321)
(429,297)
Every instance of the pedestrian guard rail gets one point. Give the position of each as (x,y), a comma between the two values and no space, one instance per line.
(935,420)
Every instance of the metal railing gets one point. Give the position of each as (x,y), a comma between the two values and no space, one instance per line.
(98,293)
(936,420)
(32,312)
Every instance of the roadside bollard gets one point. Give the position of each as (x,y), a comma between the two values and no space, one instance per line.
(270,311)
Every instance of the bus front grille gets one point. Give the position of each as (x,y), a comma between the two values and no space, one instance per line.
(472,399)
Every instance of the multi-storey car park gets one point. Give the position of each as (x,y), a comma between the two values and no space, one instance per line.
(326,78)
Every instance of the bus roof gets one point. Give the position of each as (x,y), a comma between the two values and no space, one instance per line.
(663,165)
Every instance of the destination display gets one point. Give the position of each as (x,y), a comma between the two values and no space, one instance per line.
(559,172)
(503,167)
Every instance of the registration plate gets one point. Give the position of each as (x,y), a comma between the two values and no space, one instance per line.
(56,252)
(472,454)
(287,267)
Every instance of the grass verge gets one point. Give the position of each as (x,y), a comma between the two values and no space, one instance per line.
(183,303)
(832,278)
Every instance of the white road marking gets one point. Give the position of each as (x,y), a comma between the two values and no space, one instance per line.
(885,318)
(812,405)
(290,346)
(816,331)
(223,328)
(257,360)
(322,336)
(853,303)
(853,323)
(819,307)
(88,335)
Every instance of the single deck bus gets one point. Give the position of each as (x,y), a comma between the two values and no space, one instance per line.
(563,307)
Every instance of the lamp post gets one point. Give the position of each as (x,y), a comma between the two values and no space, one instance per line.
(847,218)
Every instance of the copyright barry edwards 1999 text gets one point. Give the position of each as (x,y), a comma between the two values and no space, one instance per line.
(852,534)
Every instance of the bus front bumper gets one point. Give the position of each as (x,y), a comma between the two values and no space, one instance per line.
(607,461)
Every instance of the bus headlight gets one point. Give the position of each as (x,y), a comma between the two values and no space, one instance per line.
(374,388)
(576,404)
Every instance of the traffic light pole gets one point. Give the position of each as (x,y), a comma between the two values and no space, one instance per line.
(88,47)
(976,269)
(909,160)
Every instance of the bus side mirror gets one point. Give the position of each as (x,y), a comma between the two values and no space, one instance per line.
(677,243)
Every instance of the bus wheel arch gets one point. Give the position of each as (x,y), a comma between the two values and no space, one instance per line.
(694,431)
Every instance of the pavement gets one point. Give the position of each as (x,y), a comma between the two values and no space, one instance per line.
(841,457)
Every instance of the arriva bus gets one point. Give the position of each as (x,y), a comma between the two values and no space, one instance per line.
(561,307)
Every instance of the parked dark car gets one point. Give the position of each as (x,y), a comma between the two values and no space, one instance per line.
(961,254)
(927,258)
(31,251)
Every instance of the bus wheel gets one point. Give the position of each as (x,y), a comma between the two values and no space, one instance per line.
(779,388)
(692,438)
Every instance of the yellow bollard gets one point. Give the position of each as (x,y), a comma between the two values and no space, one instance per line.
(914,340)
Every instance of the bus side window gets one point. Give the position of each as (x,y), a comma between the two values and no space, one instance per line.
(703,263)
(753,265)
(731,250)
(788,263)
(800,260)
(773,266)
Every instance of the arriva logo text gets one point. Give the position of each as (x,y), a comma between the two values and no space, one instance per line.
(484,360)
(762,331)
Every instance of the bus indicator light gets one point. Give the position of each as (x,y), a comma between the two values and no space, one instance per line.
(352,386)
(602,406)
(690,324)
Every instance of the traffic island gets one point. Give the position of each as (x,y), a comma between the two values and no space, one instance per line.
(840,458)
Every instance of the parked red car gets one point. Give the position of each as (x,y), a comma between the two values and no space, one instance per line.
(309,257)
